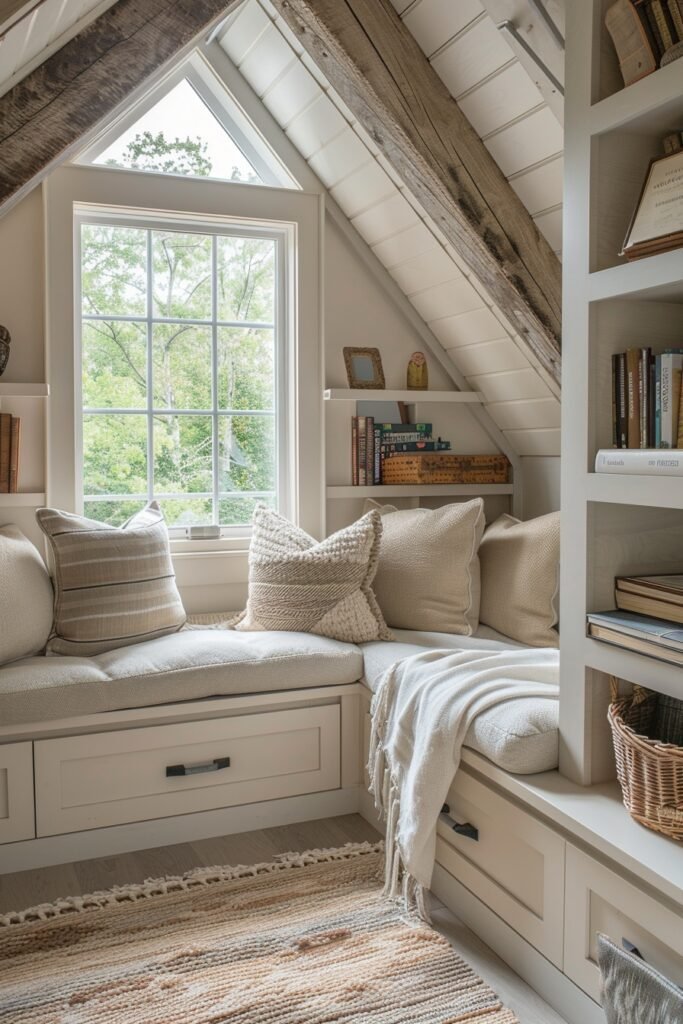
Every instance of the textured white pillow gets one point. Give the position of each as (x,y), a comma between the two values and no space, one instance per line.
(26,597)
(520,575)
(428,575)
(302,585)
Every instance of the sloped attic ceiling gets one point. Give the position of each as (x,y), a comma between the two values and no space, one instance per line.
(478,337)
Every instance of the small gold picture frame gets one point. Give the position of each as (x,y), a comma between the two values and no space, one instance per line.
(364,368)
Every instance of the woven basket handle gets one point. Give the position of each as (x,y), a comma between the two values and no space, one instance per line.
(613,688)
(640,693)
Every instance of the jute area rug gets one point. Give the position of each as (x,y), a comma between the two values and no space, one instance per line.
(307,939)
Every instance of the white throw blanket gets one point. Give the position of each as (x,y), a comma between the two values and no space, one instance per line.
(421,711)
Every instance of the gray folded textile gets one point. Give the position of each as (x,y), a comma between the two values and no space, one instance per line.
(633,992)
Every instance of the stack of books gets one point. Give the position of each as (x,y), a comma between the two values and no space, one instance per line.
(662,22)
(372,443)
(649,619)
(10,429)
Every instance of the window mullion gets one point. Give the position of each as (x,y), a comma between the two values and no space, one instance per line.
(150,371)
(214,379)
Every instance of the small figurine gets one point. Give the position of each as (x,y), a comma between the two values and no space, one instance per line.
(418,376)
(5,340)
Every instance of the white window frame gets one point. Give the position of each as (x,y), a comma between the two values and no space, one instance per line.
(281,235)
(102,190)
(211,90)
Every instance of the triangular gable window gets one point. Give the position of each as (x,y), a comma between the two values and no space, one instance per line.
(190,126)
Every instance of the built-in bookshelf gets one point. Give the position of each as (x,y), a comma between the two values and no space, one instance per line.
(423,405)
(612,524)
(27,402)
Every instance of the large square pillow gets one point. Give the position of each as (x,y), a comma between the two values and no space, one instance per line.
(113,586)
(324,587)
(26,597)
(520,578)
(428,575)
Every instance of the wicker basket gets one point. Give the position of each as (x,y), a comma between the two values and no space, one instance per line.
(650,770)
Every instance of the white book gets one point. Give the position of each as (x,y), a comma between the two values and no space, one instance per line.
(640,461)
(670,393)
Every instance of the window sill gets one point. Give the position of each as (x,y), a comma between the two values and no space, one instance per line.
(212,567)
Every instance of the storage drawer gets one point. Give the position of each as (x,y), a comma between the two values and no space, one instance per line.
(17,818)
(85,782)
(599,900)
(516,866)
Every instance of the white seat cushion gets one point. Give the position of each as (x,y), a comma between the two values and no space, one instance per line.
(520,736)
(184,666)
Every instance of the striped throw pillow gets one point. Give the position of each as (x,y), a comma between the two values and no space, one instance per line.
(113,587)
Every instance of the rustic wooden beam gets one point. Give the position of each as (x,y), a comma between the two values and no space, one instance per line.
(376,66)
(45,116)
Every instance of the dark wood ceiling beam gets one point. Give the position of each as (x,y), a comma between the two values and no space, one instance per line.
(376,66)
(44,118)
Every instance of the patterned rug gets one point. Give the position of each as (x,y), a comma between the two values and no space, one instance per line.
(307,939)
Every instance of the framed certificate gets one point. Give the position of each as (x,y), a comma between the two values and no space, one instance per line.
(657,223)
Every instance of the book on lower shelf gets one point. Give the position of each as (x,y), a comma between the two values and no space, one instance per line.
(659,597)
(643,462)
(10,430)
(657,638)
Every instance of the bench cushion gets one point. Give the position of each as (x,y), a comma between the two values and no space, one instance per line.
(184,666)
(520,736)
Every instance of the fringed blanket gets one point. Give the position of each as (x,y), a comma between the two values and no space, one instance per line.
(421,712)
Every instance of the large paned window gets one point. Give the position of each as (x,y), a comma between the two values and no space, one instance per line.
(182,371)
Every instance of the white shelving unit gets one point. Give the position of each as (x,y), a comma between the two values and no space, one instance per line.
(337,492)
(408,397)
(23,390)
(19,399)
(612,524)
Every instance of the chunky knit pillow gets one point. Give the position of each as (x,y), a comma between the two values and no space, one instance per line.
(302,585)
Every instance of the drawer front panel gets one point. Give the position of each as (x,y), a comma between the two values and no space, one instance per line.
(17,818)
(516,866)
(88,782)
(598,900)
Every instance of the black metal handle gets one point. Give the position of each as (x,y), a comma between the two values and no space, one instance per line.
(218,763)
(461,828)
(630,948)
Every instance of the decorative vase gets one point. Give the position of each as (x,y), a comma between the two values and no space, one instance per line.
(417,377)
(5,340)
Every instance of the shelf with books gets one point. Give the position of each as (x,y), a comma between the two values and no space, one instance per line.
(625,489)
(418,490)
(405,396)
(22,500)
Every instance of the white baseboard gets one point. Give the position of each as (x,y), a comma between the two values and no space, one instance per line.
(142,835)
(543,977)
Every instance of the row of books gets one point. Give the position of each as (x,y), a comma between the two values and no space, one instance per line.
(646,399)
(10,430)
(372,443)
(662,22)
(649,617)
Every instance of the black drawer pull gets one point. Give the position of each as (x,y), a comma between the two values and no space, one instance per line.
(218,763)
(461,828)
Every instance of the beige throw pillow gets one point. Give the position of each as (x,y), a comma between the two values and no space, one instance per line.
(428,575)
(113,586)
(26,597)
(302,585)
(520,573)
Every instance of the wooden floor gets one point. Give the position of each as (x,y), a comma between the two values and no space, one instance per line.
(27,888)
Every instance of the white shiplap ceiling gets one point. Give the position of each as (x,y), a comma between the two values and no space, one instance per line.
(507,109)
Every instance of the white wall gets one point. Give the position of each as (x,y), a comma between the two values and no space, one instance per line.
(540,485)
